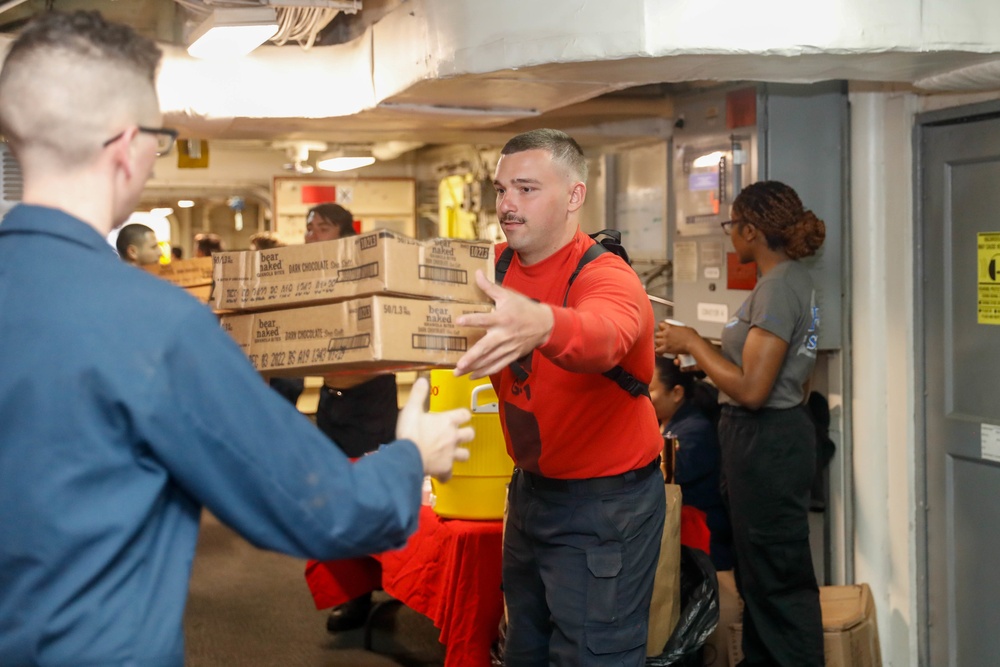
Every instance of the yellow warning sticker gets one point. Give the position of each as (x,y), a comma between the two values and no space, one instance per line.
(988,254)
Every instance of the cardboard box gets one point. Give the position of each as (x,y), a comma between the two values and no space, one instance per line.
(201,292)
(375,333)
(184,272)
(850,630)
(379,262)
(719,643)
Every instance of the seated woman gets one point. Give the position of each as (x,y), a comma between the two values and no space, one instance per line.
(686,408)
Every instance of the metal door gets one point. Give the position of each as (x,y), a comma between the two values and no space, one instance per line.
(959,309)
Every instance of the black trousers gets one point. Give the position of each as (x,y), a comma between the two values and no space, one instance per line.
(361,418)
(768,463)
(578,570)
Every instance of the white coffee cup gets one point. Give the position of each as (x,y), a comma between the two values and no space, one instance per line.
(687,361)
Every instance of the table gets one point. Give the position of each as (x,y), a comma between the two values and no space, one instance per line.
(449,571)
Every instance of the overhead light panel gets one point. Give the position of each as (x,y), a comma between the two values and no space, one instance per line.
(345,160)
(233,31)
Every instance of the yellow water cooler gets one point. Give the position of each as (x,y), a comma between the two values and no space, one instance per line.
(478,487)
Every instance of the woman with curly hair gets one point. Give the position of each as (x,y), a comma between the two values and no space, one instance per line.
(767,440)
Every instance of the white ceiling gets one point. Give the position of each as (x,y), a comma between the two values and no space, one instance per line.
(472,71)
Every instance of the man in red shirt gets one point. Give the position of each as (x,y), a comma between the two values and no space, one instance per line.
(586,508)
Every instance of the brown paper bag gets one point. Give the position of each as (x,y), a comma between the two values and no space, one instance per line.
(665,607)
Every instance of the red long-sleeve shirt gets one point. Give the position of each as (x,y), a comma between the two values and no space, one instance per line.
(566,420)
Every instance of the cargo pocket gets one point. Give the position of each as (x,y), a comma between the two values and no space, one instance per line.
(605,564)
(608,640)
(785,554)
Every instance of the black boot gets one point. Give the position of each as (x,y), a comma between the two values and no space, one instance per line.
(352,614)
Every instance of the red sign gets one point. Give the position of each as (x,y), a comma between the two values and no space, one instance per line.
(318,194)
(740,276)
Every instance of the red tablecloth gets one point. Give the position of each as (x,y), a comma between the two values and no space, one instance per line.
(449,571)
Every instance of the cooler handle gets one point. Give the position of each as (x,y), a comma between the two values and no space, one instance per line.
(491,408)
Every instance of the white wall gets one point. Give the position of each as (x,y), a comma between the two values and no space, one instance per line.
(884,357)
(881,257)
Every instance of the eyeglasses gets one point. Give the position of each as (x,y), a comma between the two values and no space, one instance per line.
(727,226)
(165,138)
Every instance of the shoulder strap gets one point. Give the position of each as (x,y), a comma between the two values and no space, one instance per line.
(503,263)
(592,253)
(618,375)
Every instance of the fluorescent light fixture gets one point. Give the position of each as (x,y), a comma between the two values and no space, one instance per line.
(710,160)
(233,31)
(185,203)
(345,160)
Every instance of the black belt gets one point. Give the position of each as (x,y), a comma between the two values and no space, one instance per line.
(593,484)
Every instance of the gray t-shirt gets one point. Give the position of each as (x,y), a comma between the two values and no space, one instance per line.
(784,304)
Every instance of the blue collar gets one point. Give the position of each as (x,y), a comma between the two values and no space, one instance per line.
(29,219)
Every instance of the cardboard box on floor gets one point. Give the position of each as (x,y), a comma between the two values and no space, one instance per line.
(379,262)
(370,334)
(850,631)
(718,644)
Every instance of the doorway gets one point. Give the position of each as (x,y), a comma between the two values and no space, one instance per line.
(958,366)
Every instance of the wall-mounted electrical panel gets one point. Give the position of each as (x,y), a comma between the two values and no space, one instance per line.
(725,139)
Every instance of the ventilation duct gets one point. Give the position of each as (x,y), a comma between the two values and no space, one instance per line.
(979,77)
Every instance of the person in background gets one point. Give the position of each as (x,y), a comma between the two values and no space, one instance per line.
(328,222)
(687,409)
(100,507)
(767,437)
(176,252)
(585,509)
(265,241)
(207,243)
(357,412)
(136,244)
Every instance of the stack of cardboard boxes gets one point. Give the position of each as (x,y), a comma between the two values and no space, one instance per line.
(377,302)
(194,275)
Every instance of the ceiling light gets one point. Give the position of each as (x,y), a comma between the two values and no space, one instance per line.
(709,160)
(185,203)
(233,31)
(345,160)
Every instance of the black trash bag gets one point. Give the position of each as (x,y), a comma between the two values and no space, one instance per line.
(496,648)
(699,612)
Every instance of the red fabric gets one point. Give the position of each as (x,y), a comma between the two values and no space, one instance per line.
(694,528)
(449,571)
(334,582)
(607,321)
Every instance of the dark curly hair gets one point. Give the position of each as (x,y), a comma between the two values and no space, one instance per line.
(776,210)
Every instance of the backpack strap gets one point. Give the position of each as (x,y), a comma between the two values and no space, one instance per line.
(592,253)
(618,375)
(503,263)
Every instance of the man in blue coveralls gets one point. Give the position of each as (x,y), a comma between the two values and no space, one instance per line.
(159,413)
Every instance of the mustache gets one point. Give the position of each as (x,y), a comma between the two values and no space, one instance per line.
(512,218)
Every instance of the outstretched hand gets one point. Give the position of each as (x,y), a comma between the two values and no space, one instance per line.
(515,327)
(436,434)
